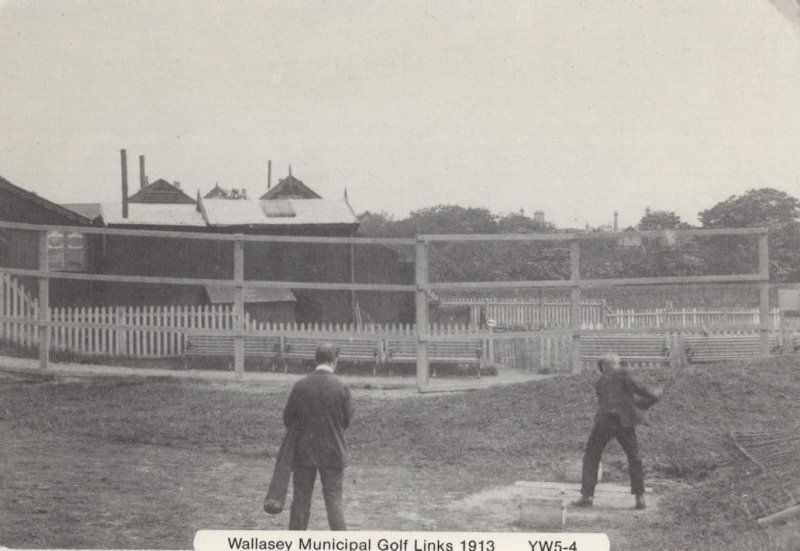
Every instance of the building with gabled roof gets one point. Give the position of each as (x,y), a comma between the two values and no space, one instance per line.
(161,191)
(290,188)
(21,205)
(293,210)
(68,251)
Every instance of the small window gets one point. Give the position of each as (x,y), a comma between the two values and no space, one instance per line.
(278,209)
(66,252)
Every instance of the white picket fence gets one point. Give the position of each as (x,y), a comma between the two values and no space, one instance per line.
(132,341)
(17,304)
(157,331)
(552,352)
(530,314)
(627,319)
(596,314)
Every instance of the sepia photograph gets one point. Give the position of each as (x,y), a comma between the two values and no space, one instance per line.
(496,269)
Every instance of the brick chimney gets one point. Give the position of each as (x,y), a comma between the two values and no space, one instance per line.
(142,177)
(124,161)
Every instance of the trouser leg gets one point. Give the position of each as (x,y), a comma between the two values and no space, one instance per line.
(626,436)
(332,490)
(303,487)
(592,454)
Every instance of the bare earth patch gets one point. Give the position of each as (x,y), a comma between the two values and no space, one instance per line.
(140,462)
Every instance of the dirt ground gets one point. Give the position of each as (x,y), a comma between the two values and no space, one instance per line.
(79,493)
(82,490)
(104,495)
(142,462)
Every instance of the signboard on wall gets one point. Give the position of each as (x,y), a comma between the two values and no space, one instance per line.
(789,300)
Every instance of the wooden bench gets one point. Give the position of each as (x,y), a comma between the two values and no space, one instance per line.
(350,349)
(630,348)
(222,346)
(715,348)
(791,345)
(468,351)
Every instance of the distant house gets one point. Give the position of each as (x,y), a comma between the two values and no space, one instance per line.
(161,191)
(290,188)
(290,208)
(629,241)
(222,193)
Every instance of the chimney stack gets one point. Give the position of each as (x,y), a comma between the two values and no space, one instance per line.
(124,159)
(616,221)
(142,177)
(269,175)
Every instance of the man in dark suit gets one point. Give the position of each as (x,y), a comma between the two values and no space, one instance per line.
(622,399)
(319,409)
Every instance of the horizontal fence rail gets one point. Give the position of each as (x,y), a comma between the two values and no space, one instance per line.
(163,331)
(560,334)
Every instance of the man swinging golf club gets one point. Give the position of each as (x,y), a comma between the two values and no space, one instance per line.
(621,400)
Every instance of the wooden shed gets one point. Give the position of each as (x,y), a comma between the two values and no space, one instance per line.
(265,305)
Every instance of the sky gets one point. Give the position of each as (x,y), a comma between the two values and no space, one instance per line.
(573,107)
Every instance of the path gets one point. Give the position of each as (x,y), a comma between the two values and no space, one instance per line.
(505,376)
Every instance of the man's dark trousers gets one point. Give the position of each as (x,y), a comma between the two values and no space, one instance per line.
(332,480)
(606,427)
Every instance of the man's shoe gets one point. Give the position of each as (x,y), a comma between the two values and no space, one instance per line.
(640,504)
(584,501)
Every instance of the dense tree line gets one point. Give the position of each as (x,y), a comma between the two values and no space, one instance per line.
(639,256)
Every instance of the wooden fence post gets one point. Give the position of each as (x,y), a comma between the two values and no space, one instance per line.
(421,277)
(575,304)
(44,303)
(763,287)
(238,309)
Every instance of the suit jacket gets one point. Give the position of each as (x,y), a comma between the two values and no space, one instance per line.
(621,394)
(320,410)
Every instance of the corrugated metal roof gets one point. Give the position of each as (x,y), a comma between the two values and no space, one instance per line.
(224,295)
(321,211)
(224,212)
(152,214)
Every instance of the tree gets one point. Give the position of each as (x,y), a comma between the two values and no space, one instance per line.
(766,207)
(661,220)
(377,224)
(451,219)
(758,207)
(475,260)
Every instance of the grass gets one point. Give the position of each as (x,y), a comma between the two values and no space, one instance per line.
(458,441)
